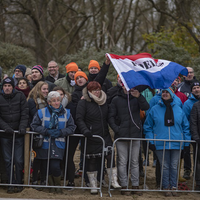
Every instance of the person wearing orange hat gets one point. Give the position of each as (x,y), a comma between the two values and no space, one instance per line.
(68,82)
(94,69)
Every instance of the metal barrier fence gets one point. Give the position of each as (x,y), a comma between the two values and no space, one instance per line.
(145,188)
(27,164)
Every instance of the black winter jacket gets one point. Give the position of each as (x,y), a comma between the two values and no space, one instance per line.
(195,121)
(52,80)
(91,117)
(14,112)
(119,116)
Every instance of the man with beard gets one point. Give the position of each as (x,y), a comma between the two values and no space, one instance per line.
(68,82)
(19,72)
(37,75)
(53,70)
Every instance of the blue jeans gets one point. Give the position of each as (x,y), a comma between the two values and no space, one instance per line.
(170,167)
(18,162)
(123,160)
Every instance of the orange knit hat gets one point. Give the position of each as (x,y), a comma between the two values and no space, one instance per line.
(80,73)
(71,67)
(94,63)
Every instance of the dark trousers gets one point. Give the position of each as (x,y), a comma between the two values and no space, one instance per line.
(39,165)
(197,174)
(73,143)
(187,159)
(18,160)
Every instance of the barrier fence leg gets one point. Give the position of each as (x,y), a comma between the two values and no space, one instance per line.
(26,157)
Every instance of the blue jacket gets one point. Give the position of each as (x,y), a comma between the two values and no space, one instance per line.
(187,106)
(154,127)
(40,124)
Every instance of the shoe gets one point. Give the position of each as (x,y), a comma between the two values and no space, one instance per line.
(70,184)
(175,194)
(18,189)
(186,174)
(154,163)
(168,194)
(139,193)
(126,193)
(144,162)
(10,190)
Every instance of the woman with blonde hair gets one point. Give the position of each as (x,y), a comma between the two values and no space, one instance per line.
(37,99)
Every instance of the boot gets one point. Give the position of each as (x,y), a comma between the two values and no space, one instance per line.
(114,182)
(51,182)
(181,179)
(57,182)
(92,176)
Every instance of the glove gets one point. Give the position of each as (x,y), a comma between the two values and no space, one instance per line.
(88,134)
(56,133)
(198,141)
(50,131)
(22,131)
(152,147)
(9,131)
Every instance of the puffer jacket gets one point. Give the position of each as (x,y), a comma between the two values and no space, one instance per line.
(124,124)
(154,127)
(91,117)
(13,112)
(187,106)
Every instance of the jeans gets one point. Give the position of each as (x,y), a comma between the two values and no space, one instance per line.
(170,167)
(18,161)
(123,160)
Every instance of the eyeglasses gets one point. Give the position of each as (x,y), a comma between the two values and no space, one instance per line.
(96,90)
(190,72)
(17,70)
(52,67)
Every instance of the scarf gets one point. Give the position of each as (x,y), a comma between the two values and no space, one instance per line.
(101,100)
(41,103)
(53,124)
(169,115)
(25,91)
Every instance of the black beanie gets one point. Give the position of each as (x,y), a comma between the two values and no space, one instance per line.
(196,83)
(22,68)
(8,80)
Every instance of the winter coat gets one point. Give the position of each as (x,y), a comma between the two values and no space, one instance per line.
(65,84)
(91,117)
(181,96)
(187,106)
(40,124)
(52,80)
(154,127)
(13,112)
(194,121)
(185,87)
(123,124)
